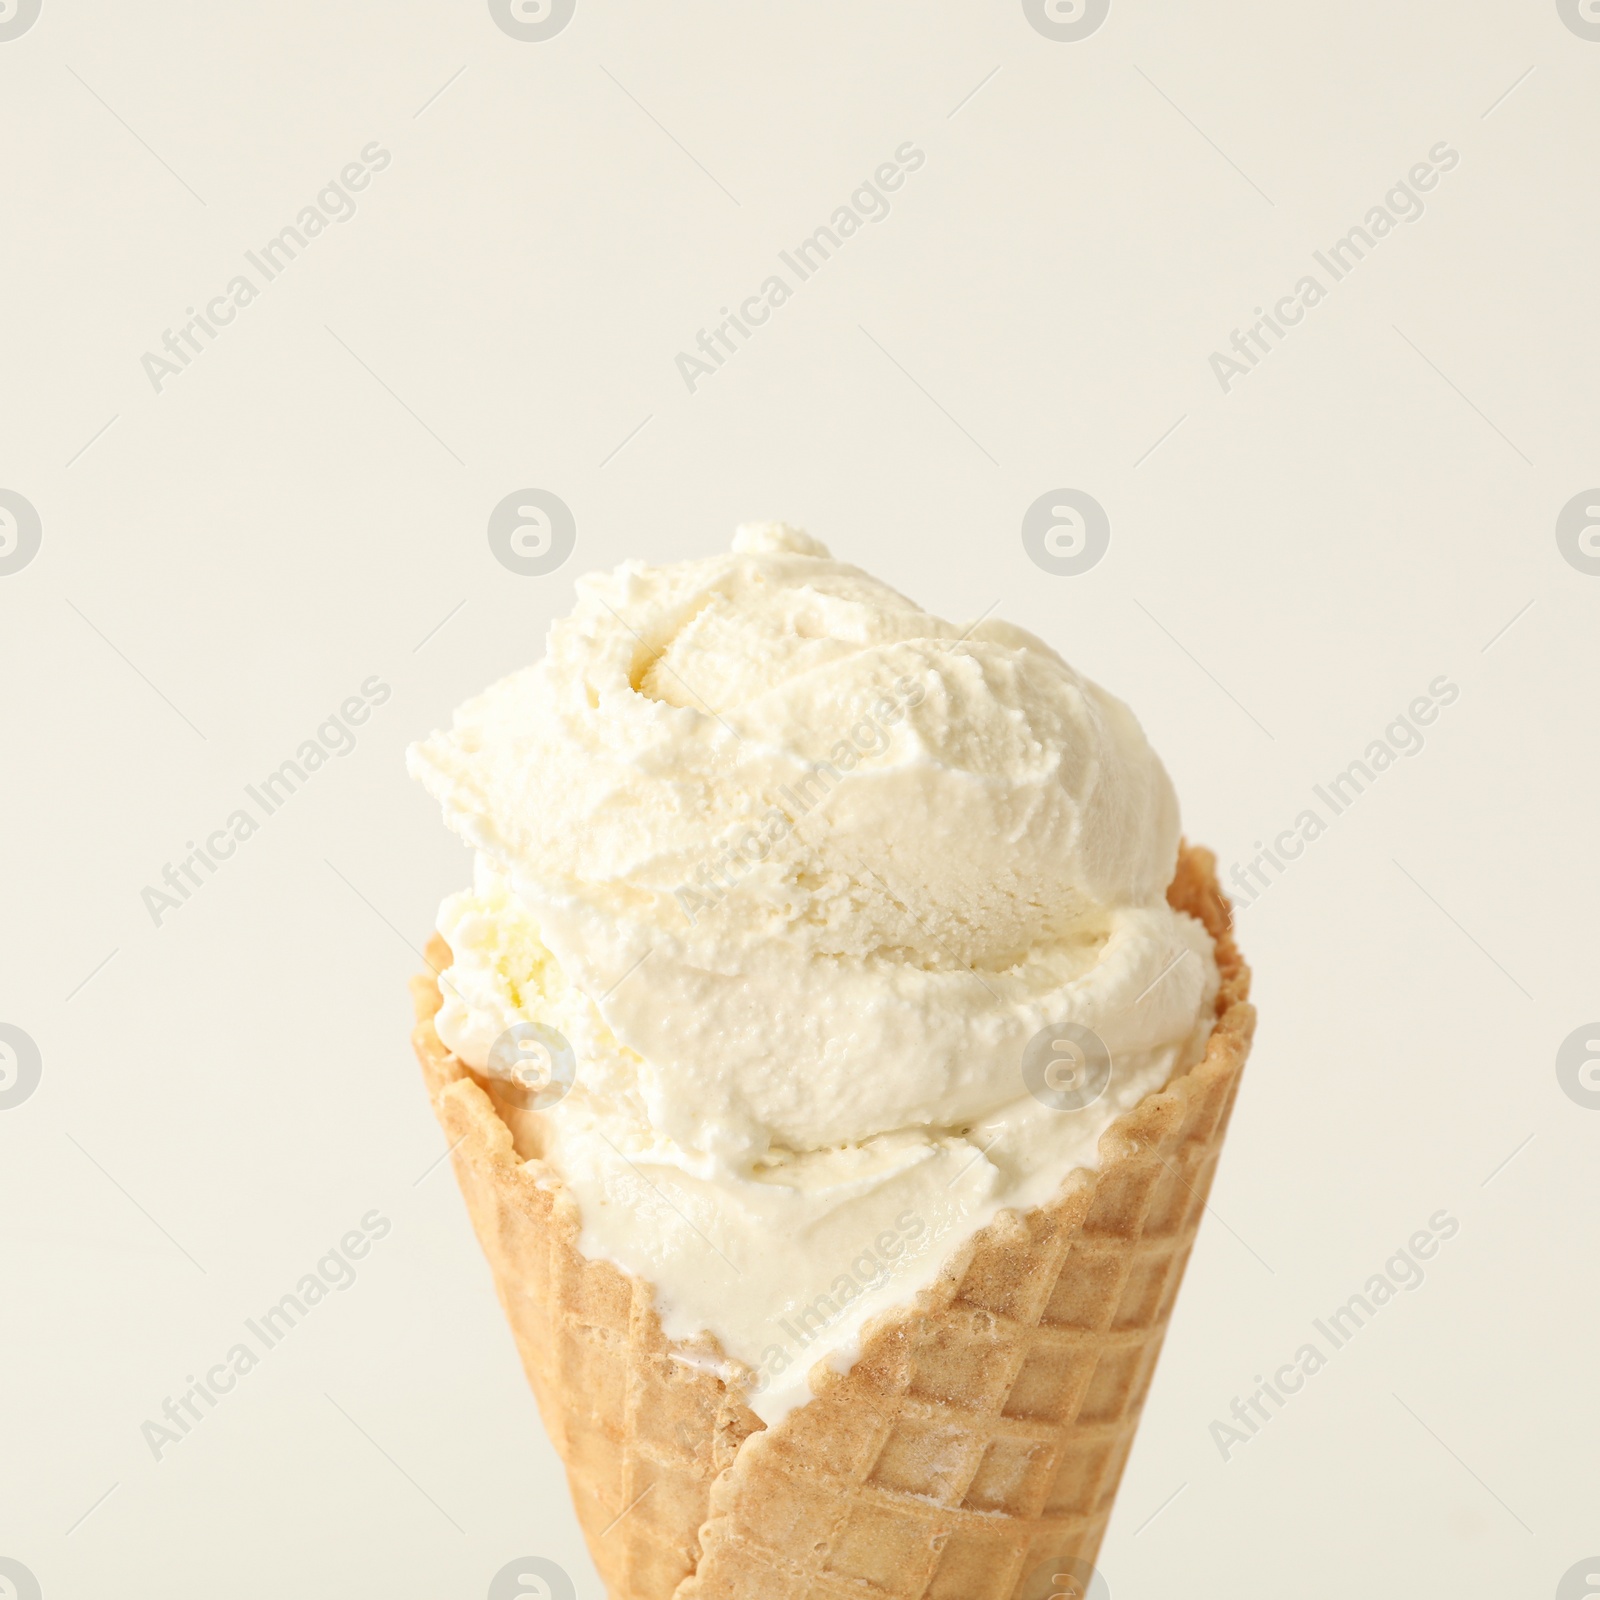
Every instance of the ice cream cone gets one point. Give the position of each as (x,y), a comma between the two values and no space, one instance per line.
(974,1449)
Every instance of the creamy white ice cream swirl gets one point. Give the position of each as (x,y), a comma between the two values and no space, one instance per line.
(801,872)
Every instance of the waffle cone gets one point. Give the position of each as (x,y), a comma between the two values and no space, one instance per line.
(974,1449)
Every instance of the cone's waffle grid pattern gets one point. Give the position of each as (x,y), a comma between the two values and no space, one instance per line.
(980,1436)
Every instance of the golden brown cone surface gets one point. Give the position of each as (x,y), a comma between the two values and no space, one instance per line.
(974,1449)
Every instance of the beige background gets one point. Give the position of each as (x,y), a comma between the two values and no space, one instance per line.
(1290,564)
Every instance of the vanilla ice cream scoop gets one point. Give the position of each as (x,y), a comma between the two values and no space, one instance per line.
(804,875)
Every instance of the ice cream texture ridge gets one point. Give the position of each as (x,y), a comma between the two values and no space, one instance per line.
(796,876)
